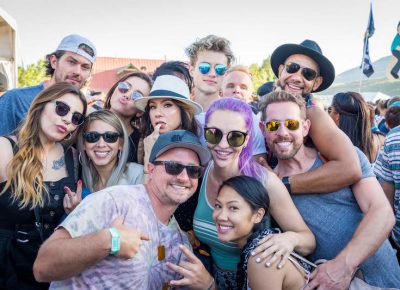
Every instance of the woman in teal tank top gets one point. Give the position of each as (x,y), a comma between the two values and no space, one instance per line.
(227,132)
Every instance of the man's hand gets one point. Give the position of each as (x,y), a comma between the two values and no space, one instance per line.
(131,239)
(332,275)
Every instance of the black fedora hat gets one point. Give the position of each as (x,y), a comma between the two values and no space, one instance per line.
(312,50)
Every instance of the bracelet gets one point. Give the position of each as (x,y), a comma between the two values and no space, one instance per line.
(211,285)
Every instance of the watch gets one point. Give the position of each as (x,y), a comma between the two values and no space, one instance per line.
(286,182)
(115,241)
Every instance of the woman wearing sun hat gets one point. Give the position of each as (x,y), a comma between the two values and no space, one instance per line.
(168,107)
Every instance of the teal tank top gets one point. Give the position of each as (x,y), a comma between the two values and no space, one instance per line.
(226,256)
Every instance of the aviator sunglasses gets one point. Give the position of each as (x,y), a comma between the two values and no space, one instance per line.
(62,109)
(308,73)
(124,87)
(291,124)
(204,68)
(174,168)
(108,137)
(234,138)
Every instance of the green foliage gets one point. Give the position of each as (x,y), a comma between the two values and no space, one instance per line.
(262,74)
(32,74)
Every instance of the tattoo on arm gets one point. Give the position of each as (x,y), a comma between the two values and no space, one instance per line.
(59,163)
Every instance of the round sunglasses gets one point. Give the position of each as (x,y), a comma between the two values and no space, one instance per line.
(108,137)
(62,109)
(274,125)
(204,68)
(234,138)
(175,168)
(124,87)
(308,73)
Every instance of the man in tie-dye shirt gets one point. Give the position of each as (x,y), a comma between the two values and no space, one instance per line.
(81,253)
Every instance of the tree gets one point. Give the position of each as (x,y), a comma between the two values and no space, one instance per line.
(262,74)
(32,75)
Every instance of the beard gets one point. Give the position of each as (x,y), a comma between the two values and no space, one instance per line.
(286,155)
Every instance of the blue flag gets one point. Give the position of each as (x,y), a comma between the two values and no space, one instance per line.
(366,64)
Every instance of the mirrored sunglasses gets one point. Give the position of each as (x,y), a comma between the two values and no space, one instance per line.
(234,138)
(204,68)
(62,109)
(175,168)
(308,73)
(124,87)
(94,136)
(274,125)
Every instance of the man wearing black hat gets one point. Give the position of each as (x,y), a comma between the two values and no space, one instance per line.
(123,237)
(301,70)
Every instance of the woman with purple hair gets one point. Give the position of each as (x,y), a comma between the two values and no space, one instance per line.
(228,134)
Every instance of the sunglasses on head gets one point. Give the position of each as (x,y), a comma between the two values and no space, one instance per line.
(204,68)
(175,168)
(62,109)
(291,124)
(308,73)
(234,138)
(124,87)
(94,136)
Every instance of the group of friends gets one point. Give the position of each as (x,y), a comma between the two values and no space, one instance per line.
(171,185)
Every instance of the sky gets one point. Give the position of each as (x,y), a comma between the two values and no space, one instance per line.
(162,29)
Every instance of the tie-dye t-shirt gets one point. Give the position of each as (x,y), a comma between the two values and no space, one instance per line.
(144,271)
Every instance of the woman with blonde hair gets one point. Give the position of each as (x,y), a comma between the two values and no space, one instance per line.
(34,168)
(103,151)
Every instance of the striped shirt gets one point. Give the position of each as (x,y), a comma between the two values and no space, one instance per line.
(387,167)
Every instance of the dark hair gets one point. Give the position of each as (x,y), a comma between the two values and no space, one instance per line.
(175,68)
(58,54)
(354,120)
(188,120)
(392,116)
(256,196)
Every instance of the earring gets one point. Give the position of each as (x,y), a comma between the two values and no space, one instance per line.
(68,137)
(80,158)
(119,154)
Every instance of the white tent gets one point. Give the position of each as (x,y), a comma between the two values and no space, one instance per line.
(8,52)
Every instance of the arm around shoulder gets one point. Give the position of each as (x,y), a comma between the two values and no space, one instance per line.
(336,147)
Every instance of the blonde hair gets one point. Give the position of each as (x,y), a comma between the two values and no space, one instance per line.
(210,43)
(241,68)
(24,171)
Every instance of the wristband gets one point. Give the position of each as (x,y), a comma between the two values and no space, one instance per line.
(286,182)
(115,241)
(211,285)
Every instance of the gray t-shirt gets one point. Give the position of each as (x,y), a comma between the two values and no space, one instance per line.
(143,271)
(14,105)
(333,218)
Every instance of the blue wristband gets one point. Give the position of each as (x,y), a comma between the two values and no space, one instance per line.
(115,241)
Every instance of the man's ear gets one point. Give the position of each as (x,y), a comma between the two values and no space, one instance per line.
(191,69)
(280,68)
(306,127)
(150,168)
(318,81)
(53,61)
(261,125)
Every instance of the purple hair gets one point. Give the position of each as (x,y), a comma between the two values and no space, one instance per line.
(247,165)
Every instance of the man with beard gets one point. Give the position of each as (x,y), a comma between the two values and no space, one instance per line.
(123,237)
(350,224)
(302,69)
(71,62)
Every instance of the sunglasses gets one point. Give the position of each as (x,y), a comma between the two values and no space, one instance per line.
(94,136)
(124,87)
(308,73)
(204,68)
(174,168)
(291,124)
(62,109)
(234,138)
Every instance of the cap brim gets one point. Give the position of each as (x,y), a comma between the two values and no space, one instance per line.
(203,153)
(326,68)
(141,103)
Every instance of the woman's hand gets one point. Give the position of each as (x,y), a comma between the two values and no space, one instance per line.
(195,276)
(72,199)
(149,143)
(275,248)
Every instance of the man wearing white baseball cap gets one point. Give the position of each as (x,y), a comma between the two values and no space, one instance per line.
(71,62)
